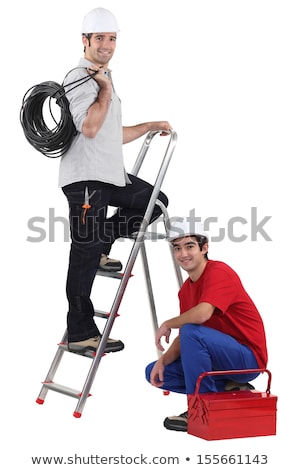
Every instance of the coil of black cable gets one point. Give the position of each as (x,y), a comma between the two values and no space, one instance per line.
(55,141)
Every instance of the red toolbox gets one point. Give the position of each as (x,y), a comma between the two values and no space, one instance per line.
(228,415)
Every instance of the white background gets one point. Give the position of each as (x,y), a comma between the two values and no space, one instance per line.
(226,76)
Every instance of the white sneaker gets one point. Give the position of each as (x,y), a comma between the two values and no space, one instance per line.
(91,344)
(109,264)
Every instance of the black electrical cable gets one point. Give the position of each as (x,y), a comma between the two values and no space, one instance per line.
(51,142)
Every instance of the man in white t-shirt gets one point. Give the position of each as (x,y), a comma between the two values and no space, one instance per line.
(93,177)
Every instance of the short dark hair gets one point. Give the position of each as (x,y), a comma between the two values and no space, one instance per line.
(88,36)
(201,240)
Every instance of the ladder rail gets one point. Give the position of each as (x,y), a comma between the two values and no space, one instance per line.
(144,257)
(166,220)
(131,260)
(147,275)
(149,286)
(52,371)
(143,152)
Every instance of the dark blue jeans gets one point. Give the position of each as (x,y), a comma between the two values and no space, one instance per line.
(204,349)
(93,234)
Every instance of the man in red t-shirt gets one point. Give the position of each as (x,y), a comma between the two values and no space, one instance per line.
(219,326)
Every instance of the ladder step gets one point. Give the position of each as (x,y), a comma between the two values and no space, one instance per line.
(109,274)
(148,236)
(101,314)
(62,389)
(64,347)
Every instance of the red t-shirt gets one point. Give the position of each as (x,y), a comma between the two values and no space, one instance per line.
(235,313)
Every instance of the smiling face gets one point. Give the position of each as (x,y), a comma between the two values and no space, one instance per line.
(100,47)
(189,256)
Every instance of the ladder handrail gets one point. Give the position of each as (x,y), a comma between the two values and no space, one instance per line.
(144,149)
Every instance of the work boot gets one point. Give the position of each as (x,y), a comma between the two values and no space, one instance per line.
(91,344)
(109,264)
(177,423)
(232,386)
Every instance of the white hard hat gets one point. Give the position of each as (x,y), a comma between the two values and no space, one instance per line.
(184,227)
(99,20)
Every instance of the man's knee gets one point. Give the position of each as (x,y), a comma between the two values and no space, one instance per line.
(148,371)
(187,330)
(190,334)
(163,198)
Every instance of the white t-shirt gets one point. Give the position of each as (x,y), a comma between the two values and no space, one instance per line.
(99,158)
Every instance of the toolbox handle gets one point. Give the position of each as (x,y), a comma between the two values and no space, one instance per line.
(235,371)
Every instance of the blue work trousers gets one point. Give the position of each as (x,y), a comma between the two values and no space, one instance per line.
(92,234)
(204,349)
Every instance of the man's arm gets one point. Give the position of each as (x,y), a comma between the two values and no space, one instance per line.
(98,110)
(157,373)
(131,133)
(196,315)
(172,353)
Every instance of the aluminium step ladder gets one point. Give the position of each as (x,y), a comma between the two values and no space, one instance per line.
(138,246)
